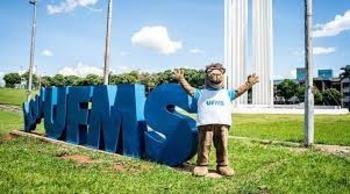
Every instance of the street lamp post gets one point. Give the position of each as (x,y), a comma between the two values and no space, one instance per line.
(309,97)
(32,50)
(108,39)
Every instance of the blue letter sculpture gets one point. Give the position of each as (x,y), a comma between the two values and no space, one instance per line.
(119,119)
(55,112)
(173,136)
(105,120)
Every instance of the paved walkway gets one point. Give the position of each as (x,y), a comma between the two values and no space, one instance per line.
(10,108)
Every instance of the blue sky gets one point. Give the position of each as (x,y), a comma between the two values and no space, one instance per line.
(154,35)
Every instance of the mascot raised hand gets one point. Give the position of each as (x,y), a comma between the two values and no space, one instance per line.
(214,116)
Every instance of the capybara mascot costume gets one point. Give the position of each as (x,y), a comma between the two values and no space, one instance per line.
(214,115)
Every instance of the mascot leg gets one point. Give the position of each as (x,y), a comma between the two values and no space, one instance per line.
(204,144)
(221,143)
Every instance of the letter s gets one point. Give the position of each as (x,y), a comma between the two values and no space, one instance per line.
(173,137)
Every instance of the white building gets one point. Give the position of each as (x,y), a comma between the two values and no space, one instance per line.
(345,90)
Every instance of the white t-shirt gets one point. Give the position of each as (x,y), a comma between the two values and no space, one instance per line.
(214,106)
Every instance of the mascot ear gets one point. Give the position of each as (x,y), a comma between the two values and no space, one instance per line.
(223,70)
(207,68)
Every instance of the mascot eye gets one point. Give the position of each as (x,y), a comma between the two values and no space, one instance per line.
(213,67)
(215,73)
(210,70)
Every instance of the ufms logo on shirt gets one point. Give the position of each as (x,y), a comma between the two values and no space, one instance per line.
(215,103)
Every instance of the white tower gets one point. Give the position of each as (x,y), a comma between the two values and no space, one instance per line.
(236,33)
(263,51)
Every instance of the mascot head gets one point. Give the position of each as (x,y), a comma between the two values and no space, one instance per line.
(215,76)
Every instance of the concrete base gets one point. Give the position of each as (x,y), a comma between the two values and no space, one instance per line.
(288,109)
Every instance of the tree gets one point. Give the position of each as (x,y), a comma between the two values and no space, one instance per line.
(46,81)
(318,98)
(115,79)
(195,78)
(346,72)
(125,78)
(149,80)
(131,77)
(71,80)
(166,77)
(331,97)
(287,89)
(91,79)
(58,80)
(35,80)
(11,79)
(301,93)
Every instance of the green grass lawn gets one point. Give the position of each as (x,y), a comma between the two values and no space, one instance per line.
(10,121)
(329,129)
(31,166)
(12,96)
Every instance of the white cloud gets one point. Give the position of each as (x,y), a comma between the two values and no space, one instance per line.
(2,81)
(316,51)
(277,77)
(21,72)
(26,69)
(81,70)
(196,51)
(293,74)
(155,38)
(69,6)
(124,53)
(47,53)
(120,69)
(339,24)
(323,50)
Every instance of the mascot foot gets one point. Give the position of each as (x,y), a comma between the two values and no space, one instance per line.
(225,170)
(200,170)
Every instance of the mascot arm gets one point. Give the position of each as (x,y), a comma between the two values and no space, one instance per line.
(180,77)
(252,80)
